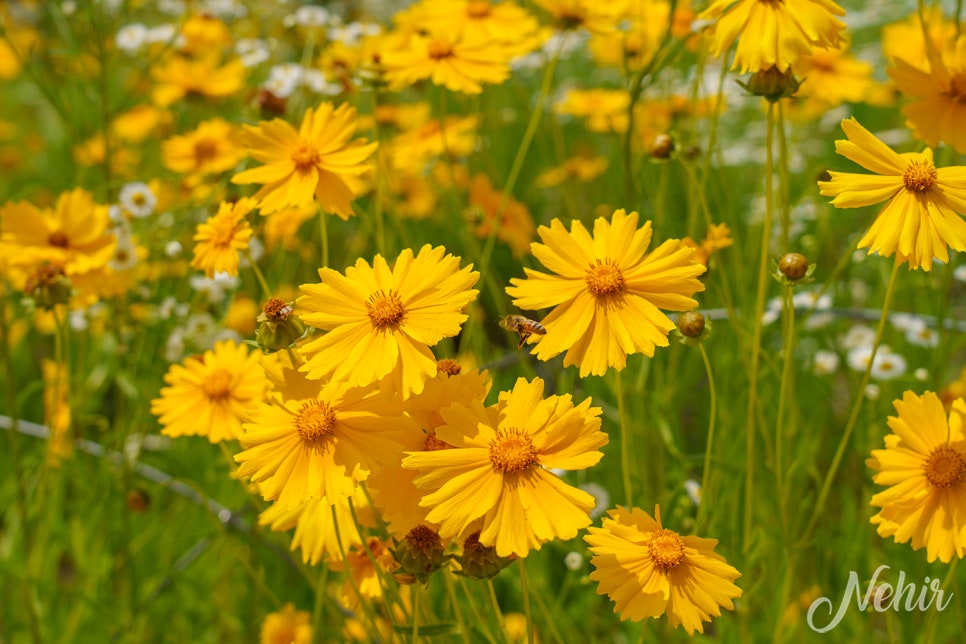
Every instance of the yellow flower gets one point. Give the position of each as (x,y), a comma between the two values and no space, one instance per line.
(460,62)
(139,123)
(920,219)
(593,15)
(515,227)
(772,33)
(415,147)
(604,110)
(318,162)
(904,39)
(222,237)
(833,76)
(321,447)
(606,292)
(209,148)
(923,466)
(57,415)
(382,321)
(210,395)
(579,168)
(178,76)
(315,531)
(365,577)
(287,626)
(939,108)
(73,235)
(649,571)
(498,471)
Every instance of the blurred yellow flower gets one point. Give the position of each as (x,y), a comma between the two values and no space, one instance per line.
(923,466)
(904,39)
(287,626)
(648,570)
(606,292)
(209,148)
(578,168)
(222,237)
(515,227)
(316,163)
(459,61)
(833,76)
(603,110)
(592,15)
(177,76)
(920,218)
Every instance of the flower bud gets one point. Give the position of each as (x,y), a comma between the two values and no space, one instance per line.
(794,266)
(691,324)
(278,326)
(662,146)
(479,561)
(419,555)
(48,286)
(772,84)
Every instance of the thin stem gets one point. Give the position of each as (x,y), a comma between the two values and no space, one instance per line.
(709,447)
(324,238)
(854,415)
(496,606)
(370,620)
(318,621)
(259,277)
(476,612)
(526,598)
(756,339)
(931,619)
(625,447)
(780,426)
(417,593)
(454,602)
(784,211)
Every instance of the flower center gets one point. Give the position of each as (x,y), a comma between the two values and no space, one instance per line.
(423,538)
(314,421)
(217,386)
(478,9)
(512,451)
(448,366)
(385,310)
(222,233)
(59,239)
(957,88)
(433,443)
(139,198)
(205,151)
(439,49)
(305,157)
(605,277)
(945,467)
(276,309)
(920,175)
(666,549)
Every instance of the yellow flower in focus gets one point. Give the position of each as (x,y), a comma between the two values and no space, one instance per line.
(773,33)
(315,532)
(649,571)
(460,62)
(607,291)
(938,110)
(382,321)
(498,469)
(211,394)
(208,149)
(603,110)
(74,235)
(222,237)
(316,163)
(178,77)
(515,227)
(321,447)
(287,626)
(923,466)
(920,218)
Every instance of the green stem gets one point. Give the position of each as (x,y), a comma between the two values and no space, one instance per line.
(417,593)
(780,426)
(324,238)
(318,621)
(454,602)
(756,337)
(259,277)
(854,415)
(370,621)
(625,447)
(496,607)
(709,447)
(526,598)
(784,211)
(931,619)
(476,611)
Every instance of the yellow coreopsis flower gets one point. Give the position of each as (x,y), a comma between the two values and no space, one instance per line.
(287,626)
(939,109)
(607,291)
(211,394)
(316,534)
(604,110)
(649,571)
(178,76)
(382,321)
(318,162)
(209,148)
(770,33)
(515,227)
(924,466)
(460,62)
(222,237)
(498,471)
(920,219)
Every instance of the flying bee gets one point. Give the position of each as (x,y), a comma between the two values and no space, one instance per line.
(524,326)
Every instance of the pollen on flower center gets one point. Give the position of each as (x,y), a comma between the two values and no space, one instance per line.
(605,277)
(920,175)
(217,386)
(305,157)
(423,538)
(385,309)
(945,467)
(314,421)
(204,151)
(59,239)
(439,49)
(512,451)
(448,366)
(666,549)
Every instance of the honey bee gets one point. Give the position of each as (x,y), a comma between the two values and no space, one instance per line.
(524,326)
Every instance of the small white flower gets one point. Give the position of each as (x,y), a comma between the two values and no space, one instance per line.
(888,365)
(78,320)
(858,358)
(256,249)
(812,300)
(171,7)
(872,391)
(923,336)
(136,198)
(316,81)
(906,321)
(858,336)
(825,362)
(174,346)
(125,255)
(693,490)
(921,374)
(574,561)
(252,51)
(173,248)
(162,34)
(130,38)
(308,16)
(960,273)
(601,497)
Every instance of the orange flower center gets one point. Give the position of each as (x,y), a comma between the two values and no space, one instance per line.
(439,49)
(605,277)
(222,233)
(59,239)
(666,549)
(276,309)
(305,157)
(385,310)
(217,386)
(945,467)
(423,538)
(448,366)
(920,175)
(512,451)
(957,88)
(433,443)
(478,9)
(205,151)
(314,421)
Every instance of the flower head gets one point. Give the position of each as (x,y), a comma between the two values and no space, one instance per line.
(382,321)
(923,466)
(317,162)
(606,292)
(287,625)
(459,61)
(648,570)
(209,148)
(210,395)
(497,479)
(222,237)
(920,218)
